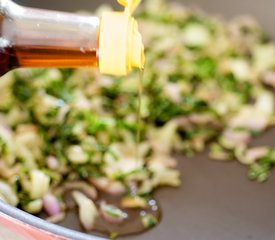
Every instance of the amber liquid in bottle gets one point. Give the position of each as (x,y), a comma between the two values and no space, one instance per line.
(35,56)
(40,38)
(4,61)
(4,53)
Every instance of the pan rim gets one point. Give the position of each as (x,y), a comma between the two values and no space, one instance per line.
(41,224)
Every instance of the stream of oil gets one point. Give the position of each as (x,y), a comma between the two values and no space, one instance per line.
(139,105)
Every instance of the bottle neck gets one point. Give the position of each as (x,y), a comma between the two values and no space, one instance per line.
(43,38)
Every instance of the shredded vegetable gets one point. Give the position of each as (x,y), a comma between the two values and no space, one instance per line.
(72,132)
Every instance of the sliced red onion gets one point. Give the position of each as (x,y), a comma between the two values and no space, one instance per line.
(250,118)
(171,163)
(233,138)
(112,214)
(56,218)
(269,78)
(83,187)
(183,122)
(256,153)
(51,205)
(52,162)
(251,155)
(259,123)
(173,92)
(108,186)
(200,119)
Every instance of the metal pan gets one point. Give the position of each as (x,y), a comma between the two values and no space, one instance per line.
(216,201)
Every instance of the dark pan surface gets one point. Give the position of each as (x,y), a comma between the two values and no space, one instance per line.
(216,201)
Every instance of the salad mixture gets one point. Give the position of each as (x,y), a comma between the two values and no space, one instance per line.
(68,137)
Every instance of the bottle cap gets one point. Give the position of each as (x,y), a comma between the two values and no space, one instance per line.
(120,43)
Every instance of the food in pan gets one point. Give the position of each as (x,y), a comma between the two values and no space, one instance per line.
(68,137)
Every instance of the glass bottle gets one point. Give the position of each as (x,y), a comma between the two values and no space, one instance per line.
(41,38)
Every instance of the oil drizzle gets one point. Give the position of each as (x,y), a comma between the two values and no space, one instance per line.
(139,105)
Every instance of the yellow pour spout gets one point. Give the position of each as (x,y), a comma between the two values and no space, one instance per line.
(120,43)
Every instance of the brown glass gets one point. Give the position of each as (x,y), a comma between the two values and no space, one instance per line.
(40,38)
